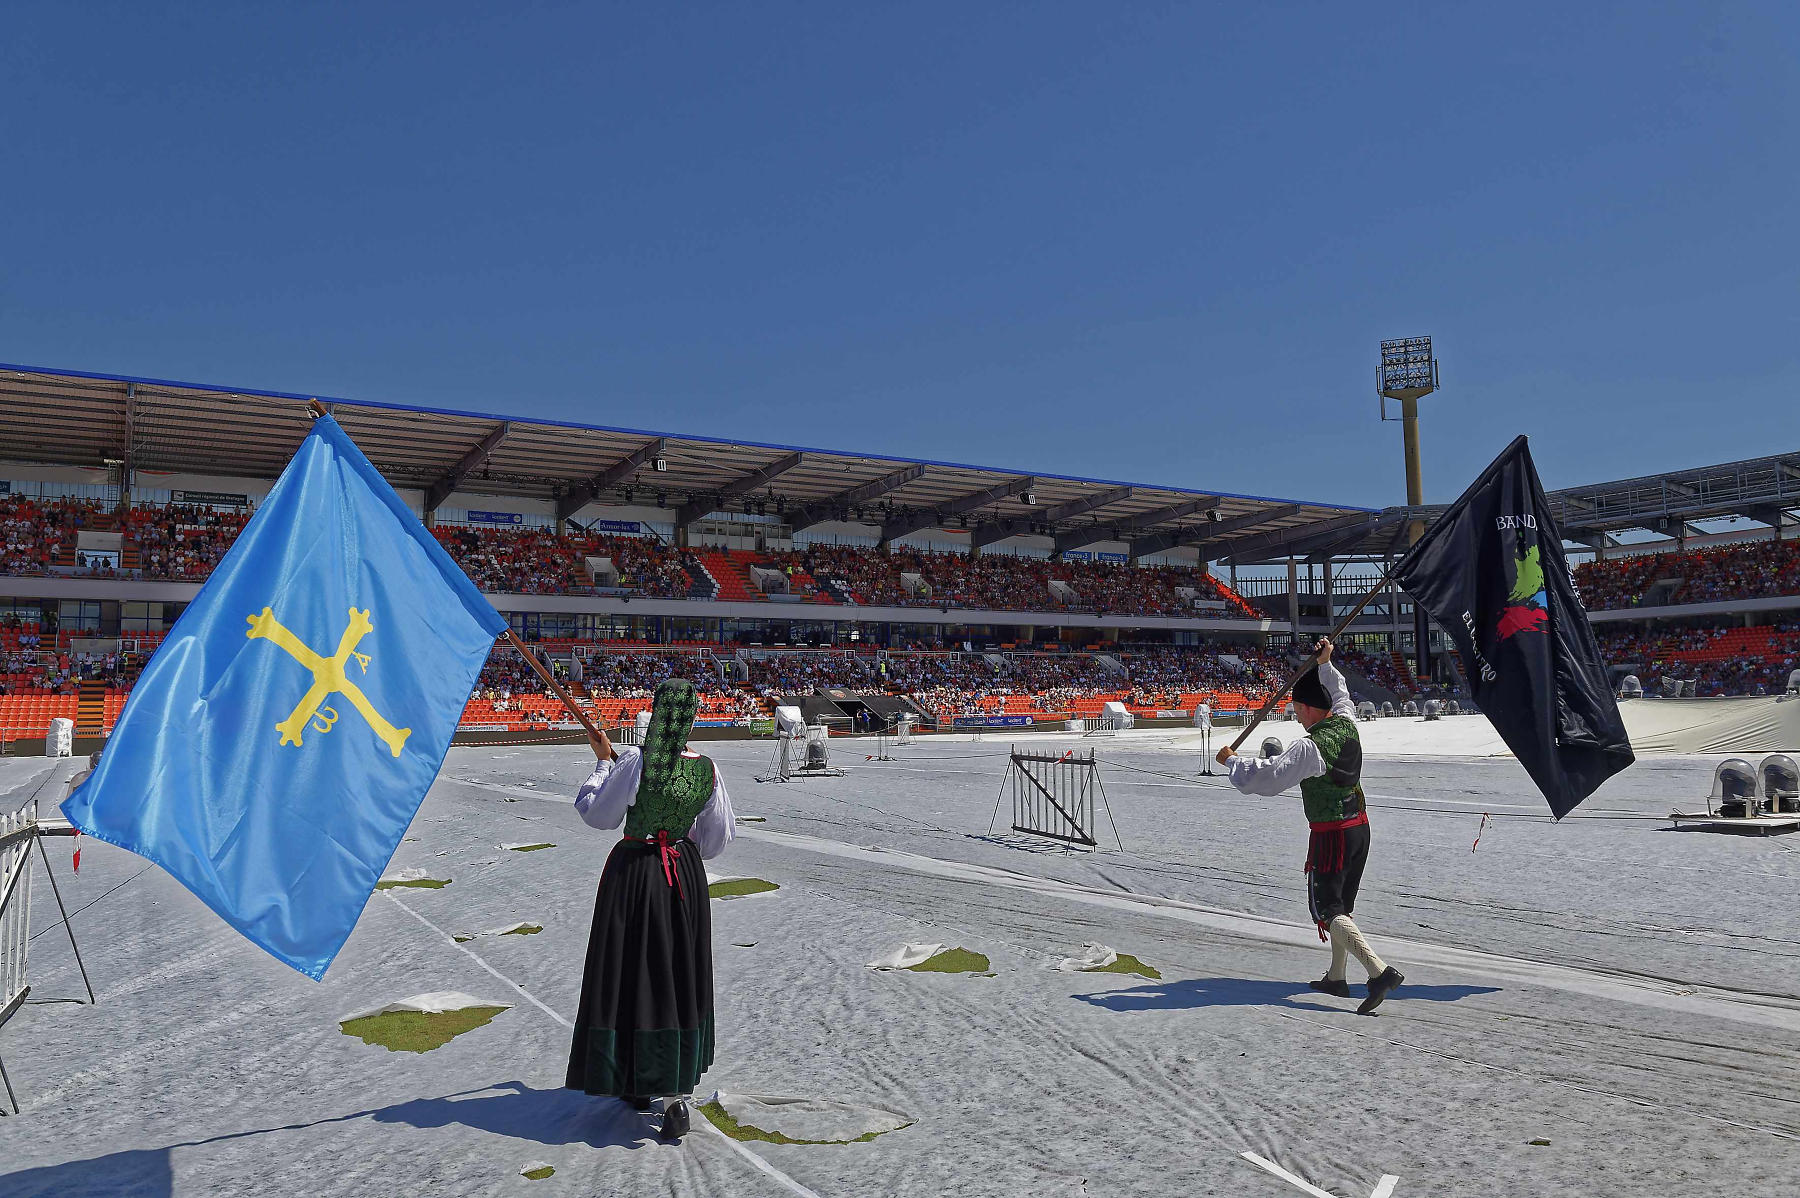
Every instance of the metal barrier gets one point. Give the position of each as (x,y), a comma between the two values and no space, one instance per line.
(1055,796)
(18,832)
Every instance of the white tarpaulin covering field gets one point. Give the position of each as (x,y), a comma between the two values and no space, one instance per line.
(1598,1007)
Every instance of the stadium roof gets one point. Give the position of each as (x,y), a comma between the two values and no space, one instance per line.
(1761,489)
(79,418)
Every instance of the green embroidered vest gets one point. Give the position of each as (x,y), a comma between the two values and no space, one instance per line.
(673,807)
(1337,793)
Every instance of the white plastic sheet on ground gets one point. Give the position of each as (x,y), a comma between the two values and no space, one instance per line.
(459,937)
(822,1119)
(1759,725)
(407,875)
(435,1003)
(1091,956)
(907,956)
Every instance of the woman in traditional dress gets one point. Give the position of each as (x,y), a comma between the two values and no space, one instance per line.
(645,1027)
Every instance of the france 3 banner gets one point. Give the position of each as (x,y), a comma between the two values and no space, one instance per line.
(1491,572)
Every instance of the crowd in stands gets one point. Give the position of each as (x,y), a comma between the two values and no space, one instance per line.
(35,532)
(186,542)
(61,673)
(527,561)
(649,567)
(1378,668)
(1707,657)
(1003,583)
(1752,570)
(181,541)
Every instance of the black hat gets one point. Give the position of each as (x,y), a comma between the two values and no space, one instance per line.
(1310,691)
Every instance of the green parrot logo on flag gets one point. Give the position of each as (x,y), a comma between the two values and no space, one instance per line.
(1526,609)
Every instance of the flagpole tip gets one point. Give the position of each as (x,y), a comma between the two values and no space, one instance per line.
(316,408)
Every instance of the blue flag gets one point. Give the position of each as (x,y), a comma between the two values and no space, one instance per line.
(282,738)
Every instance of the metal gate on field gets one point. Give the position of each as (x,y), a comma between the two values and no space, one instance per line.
(20,830)
(1056,796)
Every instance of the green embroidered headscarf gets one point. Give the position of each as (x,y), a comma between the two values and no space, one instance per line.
(672,715)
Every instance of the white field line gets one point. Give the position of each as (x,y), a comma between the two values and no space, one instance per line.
(1278,1171)
(1647,992)
(783,1179)
(464,949)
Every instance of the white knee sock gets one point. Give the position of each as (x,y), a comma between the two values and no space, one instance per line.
(1346,936)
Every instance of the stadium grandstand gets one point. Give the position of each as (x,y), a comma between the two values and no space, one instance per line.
(859,586)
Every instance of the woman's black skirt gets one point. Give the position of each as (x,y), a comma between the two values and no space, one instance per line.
(645,1027)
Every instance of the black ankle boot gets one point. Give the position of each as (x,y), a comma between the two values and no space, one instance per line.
(1336,987)
(675,1119)
(1380,986)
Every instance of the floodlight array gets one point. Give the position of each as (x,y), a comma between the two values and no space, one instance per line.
(1406,363)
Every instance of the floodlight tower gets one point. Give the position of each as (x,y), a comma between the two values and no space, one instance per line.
(1409,373)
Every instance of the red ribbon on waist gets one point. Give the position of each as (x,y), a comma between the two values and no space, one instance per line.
(670,854)
(1338,825)
(1325,847)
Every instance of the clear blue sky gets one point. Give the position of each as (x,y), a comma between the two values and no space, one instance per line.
(1151,242)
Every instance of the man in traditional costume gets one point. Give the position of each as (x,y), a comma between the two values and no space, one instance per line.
(645,1025)
(1327,763)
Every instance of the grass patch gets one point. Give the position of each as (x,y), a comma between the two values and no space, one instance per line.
(722,1120)
(952,960)
(539,1173)
(739,887)
(414,884)
(751,819)
(418,1031)
(531,848)
(1539,1143)
(1130,964)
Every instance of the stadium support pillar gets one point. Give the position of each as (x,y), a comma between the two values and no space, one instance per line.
(1294,599)
(1233,573)
(1325,577)
(1393,611)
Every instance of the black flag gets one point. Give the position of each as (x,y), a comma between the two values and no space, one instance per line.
(1491,572)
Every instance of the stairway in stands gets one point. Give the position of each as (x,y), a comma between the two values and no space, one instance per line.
(704,584)
(731,572)
(1403,667)
(90,709)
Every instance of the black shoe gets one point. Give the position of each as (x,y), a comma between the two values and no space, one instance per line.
(675,1120)
(1380,986)
(1336,987)
(636,1102)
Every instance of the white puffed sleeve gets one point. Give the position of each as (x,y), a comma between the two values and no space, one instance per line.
(611,789)
(1272,775)
(716,825)
(1341,702)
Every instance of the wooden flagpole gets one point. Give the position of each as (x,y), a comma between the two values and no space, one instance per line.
(595,734)
(1312,659)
